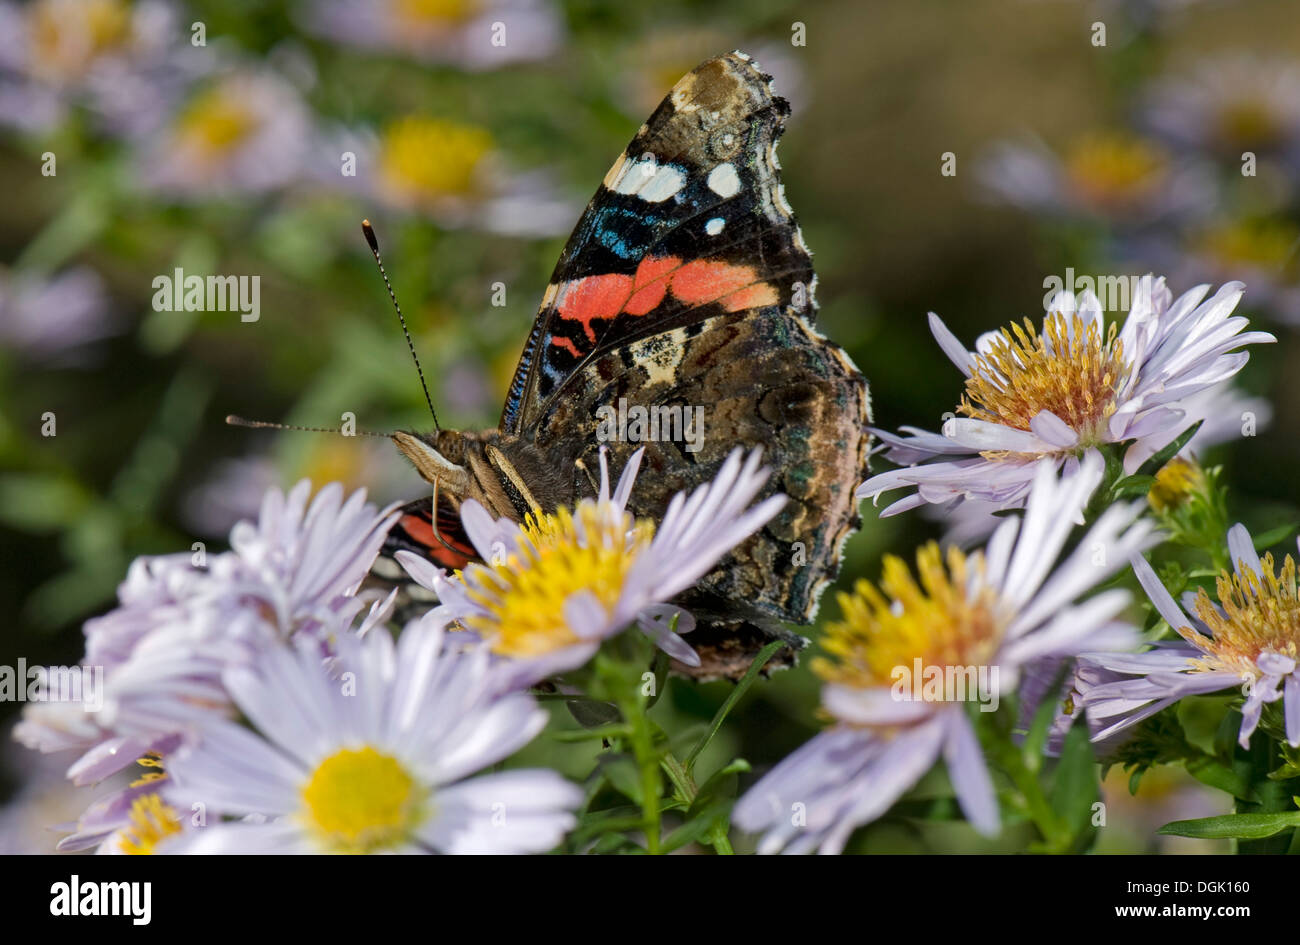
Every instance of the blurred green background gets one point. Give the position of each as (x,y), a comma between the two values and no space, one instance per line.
(473,161)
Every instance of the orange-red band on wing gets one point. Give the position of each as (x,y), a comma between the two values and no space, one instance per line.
(605,297)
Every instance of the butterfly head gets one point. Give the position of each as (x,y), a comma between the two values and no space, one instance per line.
(439,458)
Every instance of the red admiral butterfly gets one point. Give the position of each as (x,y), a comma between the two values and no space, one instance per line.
(686,284)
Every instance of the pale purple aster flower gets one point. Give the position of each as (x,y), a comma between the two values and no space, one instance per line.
(245,131)
(373,753)
(1224,412)
(1249,637)
(1082,674)
(452,172)
(1067,391)
(180,623)
(41,799)
(988,615)
(130,820)
(554,589)
(124,62)
(1117,177)
(53,319)
(1258,250)
(1230,104)
(470,34)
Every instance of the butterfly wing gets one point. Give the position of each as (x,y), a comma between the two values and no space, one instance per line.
(691,219)
(442,540)
(687,289)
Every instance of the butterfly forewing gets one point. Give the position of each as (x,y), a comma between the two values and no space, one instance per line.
(690,219)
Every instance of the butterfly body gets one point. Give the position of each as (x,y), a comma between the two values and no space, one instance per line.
(685,287)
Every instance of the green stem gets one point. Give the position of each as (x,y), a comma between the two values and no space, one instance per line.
(647,759)
(1054,832)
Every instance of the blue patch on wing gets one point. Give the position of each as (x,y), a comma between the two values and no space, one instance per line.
(625,232)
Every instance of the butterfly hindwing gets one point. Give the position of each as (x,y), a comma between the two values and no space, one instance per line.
(443,541)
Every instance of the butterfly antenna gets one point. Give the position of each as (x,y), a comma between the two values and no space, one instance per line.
(234,421)
(367,229)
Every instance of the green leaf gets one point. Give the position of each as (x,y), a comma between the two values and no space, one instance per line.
(720,786)
(1220,776)
(622,772)
(1201,717)
(1154,464)
(1274,536)
(1133,487)
(742,687)
(1074,787)
(593,713)
(1233,826)
(699,825)
(660,669)
(1036,739)
(604,732)
(41,503)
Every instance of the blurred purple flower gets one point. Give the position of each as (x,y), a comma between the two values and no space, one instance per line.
(449,171)
(1112,177)
(53,319)
(243,132)
(126,63)
(1228,105)
(470,34)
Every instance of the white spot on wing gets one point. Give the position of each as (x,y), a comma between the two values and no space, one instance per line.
(651,182)
(724,181)
(714,226)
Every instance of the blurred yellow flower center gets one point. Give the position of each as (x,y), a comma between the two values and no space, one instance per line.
(424,12)
(1259,615)
(1068,369)
(1176,482)
(1267,244)
(334,459)
(360,800)
(949,619)
(1113,170)
(67,38)
(215,124)
(1248,122)
(589,550)
(431,158)
(150,822)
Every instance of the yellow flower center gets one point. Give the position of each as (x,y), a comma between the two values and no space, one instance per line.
(434,12)
(1112,171)
(67,38)
(1266,244)
(151,822)
(1176,482)
(949,619)
(430,158)
(1068,369)
(359,800)
(560,555)
(215,124)
(1259,615)
(1248,122)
